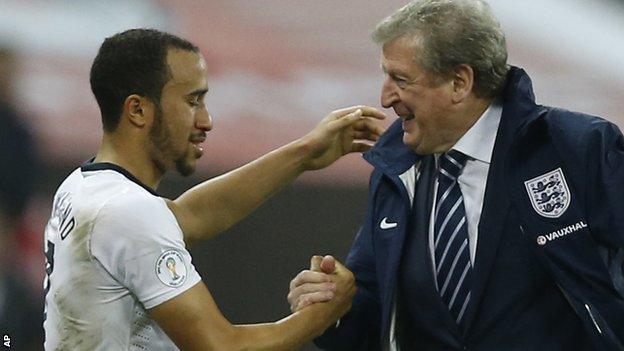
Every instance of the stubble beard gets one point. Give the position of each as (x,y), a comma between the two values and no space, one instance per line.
(160,138)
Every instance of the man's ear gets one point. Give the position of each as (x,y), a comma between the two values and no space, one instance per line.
(139,110)
(463,81)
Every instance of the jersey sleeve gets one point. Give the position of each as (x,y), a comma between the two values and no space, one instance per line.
(140,244)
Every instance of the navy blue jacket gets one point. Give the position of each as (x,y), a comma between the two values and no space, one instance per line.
(548,268)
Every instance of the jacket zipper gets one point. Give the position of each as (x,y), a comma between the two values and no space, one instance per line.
(591,315)
(592,318)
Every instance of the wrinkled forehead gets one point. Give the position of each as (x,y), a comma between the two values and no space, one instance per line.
(400,55)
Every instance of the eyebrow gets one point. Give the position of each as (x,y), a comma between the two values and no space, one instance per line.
(397,75)
(394,74)
(198,92)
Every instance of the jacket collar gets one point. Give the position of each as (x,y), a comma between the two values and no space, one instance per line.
(519,107)
(390,154)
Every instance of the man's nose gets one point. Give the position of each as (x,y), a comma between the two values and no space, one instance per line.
(204,121)
(388,93)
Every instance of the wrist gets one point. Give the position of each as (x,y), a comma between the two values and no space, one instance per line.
(302,152)
(324,317)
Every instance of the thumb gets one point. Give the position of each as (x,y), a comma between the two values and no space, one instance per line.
(315,263)
(328,264)
(339,267)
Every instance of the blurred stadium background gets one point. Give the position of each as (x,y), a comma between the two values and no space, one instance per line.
(276,67)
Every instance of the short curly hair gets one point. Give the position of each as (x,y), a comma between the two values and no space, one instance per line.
(132,62)
(450,33)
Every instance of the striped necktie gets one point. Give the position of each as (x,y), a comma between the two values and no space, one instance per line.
(452,252)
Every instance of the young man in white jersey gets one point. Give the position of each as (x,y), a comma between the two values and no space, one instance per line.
(119,276)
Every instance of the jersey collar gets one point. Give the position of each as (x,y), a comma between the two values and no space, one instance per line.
(90,166)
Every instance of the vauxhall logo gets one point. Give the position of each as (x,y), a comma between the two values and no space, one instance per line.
(544,239)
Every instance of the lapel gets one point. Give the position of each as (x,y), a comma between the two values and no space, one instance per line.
(389,251)
(518,109)
(392,158)
(494,213)
(421,217)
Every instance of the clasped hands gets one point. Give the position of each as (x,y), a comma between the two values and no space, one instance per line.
(327,281)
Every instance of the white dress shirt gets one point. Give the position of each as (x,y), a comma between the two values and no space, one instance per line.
(477,144)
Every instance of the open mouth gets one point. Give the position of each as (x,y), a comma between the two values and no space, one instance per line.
(403,113)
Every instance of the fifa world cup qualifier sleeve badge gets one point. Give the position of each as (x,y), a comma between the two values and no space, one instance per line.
(171,268)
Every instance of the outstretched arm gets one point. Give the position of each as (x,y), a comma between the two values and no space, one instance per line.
(217,204)
(193,321)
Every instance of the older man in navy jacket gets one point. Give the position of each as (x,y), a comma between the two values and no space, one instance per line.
(493,223)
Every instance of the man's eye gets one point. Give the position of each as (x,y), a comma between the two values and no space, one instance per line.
(194,102)
(399,81)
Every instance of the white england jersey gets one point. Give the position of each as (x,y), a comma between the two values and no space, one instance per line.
(114,250)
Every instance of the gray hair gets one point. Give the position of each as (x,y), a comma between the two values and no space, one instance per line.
(450,33)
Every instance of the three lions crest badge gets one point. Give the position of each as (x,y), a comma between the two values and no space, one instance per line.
(549,193)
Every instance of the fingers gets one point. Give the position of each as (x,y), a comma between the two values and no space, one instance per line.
(328,264)
(364,132)
(368,125)
(326,280)
(308,277)
(347,120)
(345,285)
(312,298)
(359,146)
(340,268)
(365,136)
(310,287)
(367,111)
(343,271)
(311,293)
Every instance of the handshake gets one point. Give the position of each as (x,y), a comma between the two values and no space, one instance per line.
(326,281)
